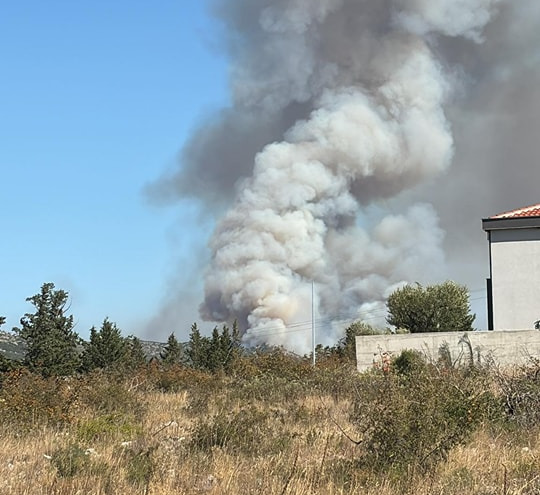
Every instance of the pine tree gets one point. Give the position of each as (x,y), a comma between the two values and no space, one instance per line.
(215,351)
(51,342)
(229,345)
(136,357)
(197,351)
(105,348)
(172,353)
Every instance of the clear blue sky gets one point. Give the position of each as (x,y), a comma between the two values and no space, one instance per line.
(96,99)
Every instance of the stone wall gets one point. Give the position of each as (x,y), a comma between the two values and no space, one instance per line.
(504,347)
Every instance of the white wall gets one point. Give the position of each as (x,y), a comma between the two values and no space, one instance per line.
(504,347)
(515,268)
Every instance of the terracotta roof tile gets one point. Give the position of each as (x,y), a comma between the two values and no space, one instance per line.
(526,211)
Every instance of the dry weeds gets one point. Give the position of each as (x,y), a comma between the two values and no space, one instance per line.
(298,445)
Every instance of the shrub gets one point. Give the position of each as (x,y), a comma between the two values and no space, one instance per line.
(107,393)
(70,461)
(520,394)
(408,362)
(249,431)
(412,421)
(108,425)
(30,400)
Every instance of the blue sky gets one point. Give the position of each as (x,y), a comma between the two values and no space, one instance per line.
(96,99)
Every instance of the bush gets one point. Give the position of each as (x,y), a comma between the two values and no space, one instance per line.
(70,461)
(107,393)
(108,425)
(520,394)
(249,430)
(30,400)
(413,418)
(408,362)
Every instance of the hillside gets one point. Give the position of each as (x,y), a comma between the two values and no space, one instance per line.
(12,347)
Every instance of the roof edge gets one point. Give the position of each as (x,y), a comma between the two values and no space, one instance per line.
(510,223)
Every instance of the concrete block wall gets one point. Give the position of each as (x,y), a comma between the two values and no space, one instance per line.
(504,347)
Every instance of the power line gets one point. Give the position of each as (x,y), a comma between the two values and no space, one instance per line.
(305,325)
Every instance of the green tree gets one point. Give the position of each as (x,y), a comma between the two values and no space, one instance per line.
(216,355)
(437,308)
(213,353)
(347,345)
(2,320)
(235,347)
(172,353)
(136,357)
(197,351)
(51,342)
(105,348)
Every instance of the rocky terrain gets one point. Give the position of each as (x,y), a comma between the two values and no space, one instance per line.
(12,347)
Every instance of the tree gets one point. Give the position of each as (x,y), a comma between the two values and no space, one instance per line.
(216,352)
(172,353)
(105,348)
(197,350)
(347,345)
(136,357)
(437,308)
(51,342)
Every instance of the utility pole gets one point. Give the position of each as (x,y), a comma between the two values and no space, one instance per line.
(313,321)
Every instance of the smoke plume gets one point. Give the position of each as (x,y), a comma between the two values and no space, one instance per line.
(333,158)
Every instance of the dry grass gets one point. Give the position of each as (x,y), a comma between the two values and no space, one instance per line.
(191,442)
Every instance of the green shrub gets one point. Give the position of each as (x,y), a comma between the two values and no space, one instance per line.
(106,426)
(409,361)
(70,461)
(412,421)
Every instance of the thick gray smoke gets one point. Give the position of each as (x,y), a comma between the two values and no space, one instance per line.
(335,145)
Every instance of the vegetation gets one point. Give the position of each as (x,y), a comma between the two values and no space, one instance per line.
(435,308)
(222,420)
(173,353)
(106,347)
(214,353)
(135,358)
(273,424)
(48,333)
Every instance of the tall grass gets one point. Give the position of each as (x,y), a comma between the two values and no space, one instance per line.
(273,426)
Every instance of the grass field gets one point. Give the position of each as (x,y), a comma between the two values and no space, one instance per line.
(272,426)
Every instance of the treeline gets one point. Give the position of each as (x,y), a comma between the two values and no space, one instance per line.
(53,347)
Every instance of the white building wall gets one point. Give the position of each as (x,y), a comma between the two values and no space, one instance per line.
(515,268)
(502,347)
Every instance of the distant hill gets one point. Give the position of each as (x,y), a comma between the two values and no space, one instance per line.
(12,347)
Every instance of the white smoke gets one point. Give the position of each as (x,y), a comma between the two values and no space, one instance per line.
(376,128)
(337,124)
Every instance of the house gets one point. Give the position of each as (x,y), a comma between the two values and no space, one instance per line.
(514,269)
